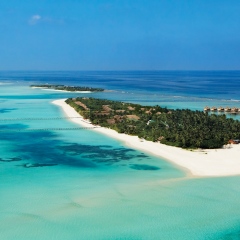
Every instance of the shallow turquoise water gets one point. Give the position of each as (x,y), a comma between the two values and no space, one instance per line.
(83,185)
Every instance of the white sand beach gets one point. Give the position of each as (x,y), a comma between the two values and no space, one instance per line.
(213,162)
(56,90)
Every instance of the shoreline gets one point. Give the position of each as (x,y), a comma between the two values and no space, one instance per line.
(56,90)
(201,163)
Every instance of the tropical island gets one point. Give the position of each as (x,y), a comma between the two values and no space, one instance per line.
(223,161)
(180,128)
(68,88)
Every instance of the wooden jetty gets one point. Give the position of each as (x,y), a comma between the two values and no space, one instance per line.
(34,119)
(41,129)
(44,129)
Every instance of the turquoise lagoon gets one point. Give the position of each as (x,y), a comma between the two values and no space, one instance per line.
(84,185)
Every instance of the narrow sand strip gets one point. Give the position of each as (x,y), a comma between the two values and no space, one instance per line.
(214,162)
(56,90)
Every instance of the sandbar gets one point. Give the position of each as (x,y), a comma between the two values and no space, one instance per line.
(57,90)
(201,163)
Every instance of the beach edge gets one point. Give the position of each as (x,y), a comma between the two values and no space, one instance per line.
(200,163)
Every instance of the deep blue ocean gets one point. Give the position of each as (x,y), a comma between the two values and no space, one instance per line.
(84,185)
(207,84)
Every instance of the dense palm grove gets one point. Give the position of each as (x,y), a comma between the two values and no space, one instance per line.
(68,88)
(182,128)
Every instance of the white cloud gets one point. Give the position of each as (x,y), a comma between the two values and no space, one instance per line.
(34,19)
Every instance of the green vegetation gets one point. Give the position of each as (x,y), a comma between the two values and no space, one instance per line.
(181,128)
(68,88)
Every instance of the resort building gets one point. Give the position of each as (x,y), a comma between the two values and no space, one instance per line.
(207,108)
(234,141)
(221,109)
(227,109)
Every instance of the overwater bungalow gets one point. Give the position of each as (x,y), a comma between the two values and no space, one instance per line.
(213,109)
(221,109)
(234,110)
(227,109)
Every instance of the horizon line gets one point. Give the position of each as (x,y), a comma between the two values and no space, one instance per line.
(133,70)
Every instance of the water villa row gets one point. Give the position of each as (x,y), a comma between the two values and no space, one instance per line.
(222,109)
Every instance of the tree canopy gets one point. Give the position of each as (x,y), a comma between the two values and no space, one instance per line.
(181,128)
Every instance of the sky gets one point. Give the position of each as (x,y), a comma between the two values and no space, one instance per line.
(120,35)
